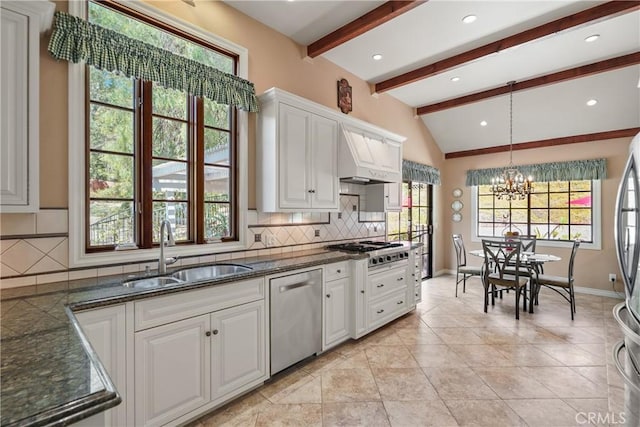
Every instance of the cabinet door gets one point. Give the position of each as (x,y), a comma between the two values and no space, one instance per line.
(172,370)
(393,196)
(238,348)
(336,311)
(105,330)
(14,166)
(293,158)
(324,163)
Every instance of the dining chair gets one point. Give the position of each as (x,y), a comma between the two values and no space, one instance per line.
(461,264)
(563,285)
(499,255)
(528,245)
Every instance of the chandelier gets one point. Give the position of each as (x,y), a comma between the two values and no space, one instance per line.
(511,184)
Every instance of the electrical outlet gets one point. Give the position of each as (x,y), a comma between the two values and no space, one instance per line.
(257,237)
(612,277)
(339,215)
(316,233)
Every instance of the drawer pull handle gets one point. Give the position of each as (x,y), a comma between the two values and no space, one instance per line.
(380,286)
(380,311)
(215,332)
(400,302)
(400,279)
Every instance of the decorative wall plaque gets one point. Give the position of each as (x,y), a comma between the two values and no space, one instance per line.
(345,102)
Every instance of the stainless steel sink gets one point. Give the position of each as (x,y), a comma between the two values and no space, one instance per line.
(209,272)
(151,282)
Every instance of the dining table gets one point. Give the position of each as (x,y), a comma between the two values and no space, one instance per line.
(533,260)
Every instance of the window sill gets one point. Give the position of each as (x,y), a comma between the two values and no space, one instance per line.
(151,255)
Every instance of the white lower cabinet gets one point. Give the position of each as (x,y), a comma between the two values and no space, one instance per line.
(336,304)
(172,370)
(105,330)
(386,291)
(187,367)
(238,346)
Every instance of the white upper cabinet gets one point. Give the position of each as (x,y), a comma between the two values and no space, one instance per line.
(21,23)
(297,157)
(383,197)
(304,149)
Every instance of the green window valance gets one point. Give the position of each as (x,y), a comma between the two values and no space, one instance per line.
(545,172)
(74,39)
(412,171)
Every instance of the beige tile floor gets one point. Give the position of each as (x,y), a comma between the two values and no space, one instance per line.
(450,364)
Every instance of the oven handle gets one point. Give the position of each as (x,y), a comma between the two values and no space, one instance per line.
(390,264)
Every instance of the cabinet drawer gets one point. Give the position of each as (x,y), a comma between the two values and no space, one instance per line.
(386,282)
(165,309)
(382,311)
(336,271)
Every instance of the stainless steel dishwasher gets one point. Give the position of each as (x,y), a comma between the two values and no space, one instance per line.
(296,318)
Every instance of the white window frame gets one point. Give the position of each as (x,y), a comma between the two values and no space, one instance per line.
(78,257)
(596,226)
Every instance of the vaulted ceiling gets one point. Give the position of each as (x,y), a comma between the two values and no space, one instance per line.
(457,75)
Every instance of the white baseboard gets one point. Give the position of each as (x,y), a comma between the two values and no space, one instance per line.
(598,292)
(577,289)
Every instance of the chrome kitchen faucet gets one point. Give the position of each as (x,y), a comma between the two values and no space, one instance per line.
(166,239)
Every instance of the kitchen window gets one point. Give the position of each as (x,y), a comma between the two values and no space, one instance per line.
(140,153)
(155,153)
(558,211)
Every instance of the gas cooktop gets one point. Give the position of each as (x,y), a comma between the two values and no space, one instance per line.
(365,246)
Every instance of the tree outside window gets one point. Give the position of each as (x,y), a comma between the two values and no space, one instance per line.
(155,153)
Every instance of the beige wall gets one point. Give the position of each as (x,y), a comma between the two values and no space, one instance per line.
(592,266)
(274,60)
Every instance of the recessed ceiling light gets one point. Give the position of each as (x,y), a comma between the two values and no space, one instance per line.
(469,19)
(592,102)
(377,57)
(455,79)
(592,38)
(483,123)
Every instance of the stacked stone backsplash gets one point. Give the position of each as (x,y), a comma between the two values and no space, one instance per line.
(34,248)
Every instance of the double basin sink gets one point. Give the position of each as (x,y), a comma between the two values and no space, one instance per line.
(188,275)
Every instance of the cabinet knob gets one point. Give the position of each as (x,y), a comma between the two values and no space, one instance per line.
(380,311)
(215,332)
(338,271)
(362,291)
(208,333)
(328,295)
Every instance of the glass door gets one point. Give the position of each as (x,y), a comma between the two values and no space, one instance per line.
(415,221)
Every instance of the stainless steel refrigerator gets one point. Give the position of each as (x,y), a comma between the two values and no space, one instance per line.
(627,236)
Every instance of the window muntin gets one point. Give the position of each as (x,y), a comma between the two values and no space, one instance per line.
(149,147)
(555,211)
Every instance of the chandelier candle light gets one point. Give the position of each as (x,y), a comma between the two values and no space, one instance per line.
(511,185)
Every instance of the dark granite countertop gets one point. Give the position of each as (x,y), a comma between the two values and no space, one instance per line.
(50,376)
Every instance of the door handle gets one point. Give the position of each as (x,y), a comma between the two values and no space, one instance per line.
(294,286)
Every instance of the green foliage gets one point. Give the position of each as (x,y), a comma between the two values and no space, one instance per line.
(112,128)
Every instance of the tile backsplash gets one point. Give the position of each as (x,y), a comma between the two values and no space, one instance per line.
(35,247)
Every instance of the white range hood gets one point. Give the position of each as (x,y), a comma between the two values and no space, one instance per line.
(369,156)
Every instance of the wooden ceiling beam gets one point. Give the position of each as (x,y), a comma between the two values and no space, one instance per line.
(599,136)
(560,76)
(361,25)
(606,10)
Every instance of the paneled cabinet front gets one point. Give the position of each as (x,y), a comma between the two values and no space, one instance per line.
(21,23)
(297,157)
(337,304)
(189,366)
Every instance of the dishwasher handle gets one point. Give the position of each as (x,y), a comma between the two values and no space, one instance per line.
(286,288)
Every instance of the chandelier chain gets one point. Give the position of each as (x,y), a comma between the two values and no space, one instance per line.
(511,123)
